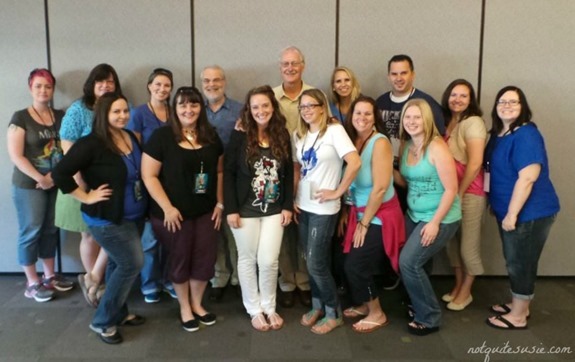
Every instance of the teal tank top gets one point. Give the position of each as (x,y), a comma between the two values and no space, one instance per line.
(363,184)
(424,190)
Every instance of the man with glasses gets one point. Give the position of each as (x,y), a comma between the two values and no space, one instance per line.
(292,266)
(401,74)
(223,112)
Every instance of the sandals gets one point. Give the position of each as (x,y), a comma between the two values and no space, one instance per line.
(326,325)
(353,313)
(310,318)
(259,323)
(419,329)
(370,326)
(506,323)
(276,322)
(502,309)
(89,289)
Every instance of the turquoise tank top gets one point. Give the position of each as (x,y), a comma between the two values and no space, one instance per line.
(424,190)
(363,184)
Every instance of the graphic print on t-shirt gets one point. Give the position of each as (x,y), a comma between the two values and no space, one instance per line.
(309,159)
(266,183)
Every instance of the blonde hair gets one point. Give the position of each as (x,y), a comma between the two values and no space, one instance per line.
(429,129)
(302,127)
(355,88)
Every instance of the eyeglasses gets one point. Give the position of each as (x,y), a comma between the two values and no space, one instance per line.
(305,107)
(292,63)
(511,103)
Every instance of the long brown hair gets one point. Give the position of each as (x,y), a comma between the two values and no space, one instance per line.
(276,130)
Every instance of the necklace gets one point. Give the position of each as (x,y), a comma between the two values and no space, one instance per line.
(190,136)
(42,119)
(415,150)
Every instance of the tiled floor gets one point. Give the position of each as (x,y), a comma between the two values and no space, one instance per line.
(58,331)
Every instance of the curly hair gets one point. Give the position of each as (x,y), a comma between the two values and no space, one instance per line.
(276,130)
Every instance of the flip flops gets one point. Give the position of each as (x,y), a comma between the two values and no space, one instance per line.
(373,326)
(88,290)
(505,309)
(507,323)
(353,313)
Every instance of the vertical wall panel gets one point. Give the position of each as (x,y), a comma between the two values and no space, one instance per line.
(23,48)
(529,43)
(245,38)
(134,36)
(442,38)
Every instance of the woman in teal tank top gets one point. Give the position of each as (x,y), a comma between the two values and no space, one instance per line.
(434,211)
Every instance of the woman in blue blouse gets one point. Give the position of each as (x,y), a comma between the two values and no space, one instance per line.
(344,90)
(522,198)
(77,122)
(146,118)
(113,201)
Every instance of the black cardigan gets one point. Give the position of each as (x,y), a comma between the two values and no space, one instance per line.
(238,176)
(98,165)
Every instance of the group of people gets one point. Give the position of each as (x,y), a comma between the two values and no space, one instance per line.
(202,188)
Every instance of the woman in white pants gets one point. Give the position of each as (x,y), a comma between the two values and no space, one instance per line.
(258,198)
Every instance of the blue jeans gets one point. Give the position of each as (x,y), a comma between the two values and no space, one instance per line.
(37,235)
(412,260)
(522,248)
(315,233)
(152,273)
(125,260)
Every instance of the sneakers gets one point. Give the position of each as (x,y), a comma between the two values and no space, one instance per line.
(170,290)
(153,297)
(57,282)
(39,292)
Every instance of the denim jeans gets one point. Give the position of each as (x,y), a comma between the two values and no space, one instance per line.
(125,260)
(522,248)
(412,260)
(37,235)
(152,275)
(315,233)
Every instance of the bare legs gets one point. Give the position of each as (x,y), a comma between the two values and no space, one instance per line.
(190,296)
(94,258)
(463,283)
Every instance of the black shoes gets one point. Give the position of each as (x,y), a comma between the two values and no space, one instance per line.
(191,326)
(286,299)
(208,319)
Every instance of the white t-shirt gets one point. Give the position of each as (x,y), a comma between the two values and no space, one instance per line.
(321,160)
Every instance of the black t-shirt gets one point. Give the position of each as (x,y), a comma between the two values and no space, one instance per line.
(264,197)
(41,146)
(181,171)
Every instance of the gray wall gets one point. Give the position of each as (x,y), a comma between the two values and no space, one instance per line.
(526,42)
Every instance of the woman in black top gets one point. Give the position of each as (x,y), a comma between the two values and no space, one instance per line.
(114,202)
(183,171)
(258,194)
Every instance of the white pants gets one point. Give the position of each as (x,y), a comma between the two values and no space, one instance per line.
(259,241)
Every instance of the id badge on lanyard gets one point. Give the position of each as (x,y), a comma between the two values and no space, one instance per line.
(201,181)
